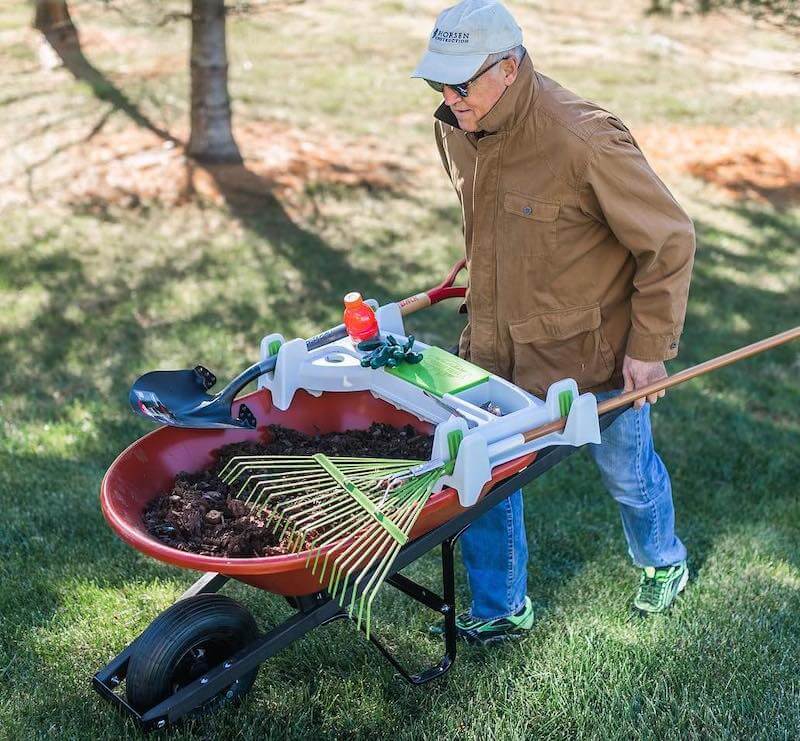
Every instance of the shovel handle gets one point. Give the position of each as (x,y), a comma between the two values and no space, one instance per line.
(629,397)
(443,291)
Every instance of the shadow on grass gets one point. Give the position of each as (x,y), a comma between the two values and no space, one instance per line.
(728,442)
(721,480)
(68,48)
(327,272)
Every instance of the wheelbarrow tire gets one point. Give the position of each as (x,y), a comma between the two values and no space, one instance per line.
(185,642)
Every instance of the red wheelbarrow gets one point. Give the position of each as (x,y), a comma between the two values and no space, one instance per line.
(205,650)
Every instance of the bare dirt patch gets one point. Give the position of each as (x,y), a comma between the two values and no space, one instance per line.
(747,163)
(133,166)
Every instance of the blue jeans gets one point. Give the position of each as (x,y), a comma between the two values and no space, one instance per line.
(495,548)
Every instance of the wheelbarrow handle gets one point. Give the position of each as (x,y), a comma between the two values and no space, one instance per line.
(443,291)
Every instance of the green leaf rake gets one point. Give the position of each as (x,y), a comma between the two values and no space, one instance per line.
(352,515)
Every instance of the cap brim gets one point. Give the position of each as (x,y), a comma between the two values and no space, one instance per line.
(449,69)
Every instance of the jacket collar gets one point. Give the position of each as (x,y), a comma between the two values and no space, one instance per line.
(510,109)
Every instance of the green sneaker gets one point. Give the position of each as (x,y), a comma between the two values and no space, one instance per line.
(483,632)
(658,587)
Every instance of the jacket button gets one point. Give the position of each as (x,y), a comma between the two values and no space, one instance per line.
(527,210)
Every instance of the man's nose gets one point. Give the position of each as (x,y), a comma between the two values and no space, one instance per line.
(451,97)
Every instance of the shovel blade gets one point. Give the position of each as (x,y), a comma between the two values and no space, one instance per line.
(178,398)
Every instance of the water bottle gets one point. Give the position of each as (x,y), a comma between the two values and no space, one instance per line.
(359,318)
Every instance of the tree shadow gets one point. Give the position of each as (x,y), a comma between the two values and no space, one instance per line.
(328,273)
(68,49)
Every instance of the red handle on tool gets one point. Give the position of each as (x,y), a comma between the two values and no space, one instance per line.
(443,291)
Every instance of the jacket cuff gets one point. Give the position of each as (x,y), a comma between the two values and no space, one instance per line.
(652,348)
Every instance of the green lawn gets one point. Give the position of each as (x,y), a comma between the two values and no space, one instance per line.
(94,292)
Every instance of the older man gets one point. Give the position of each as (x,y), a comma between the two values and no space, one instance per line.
(579,263)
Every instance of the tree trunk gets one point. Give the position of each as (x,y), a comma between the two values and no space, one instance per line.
(211,138)
(53,20)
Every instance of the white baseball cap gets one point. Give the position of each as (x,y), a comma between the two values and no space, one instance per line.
(464,35)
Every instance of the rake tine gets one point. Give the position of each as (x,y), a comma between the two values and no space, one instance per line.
(234,463)
(333,536)
(369,532)
(325,564)
(376,579)
(384,554)
(258,461)
(339,522)
(367,548)
(274,468)
(371,589)
(376,554)
(296,476)
(406,519)
(285,482)
(328,545)
(335,487)
(281,476)
(277,494)
(341,566)
(345,498)
(300,502)
(336,517)
(254,461)
(337,530)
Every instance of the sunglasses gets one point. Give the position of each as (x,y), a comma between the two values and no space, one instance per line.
(462,88)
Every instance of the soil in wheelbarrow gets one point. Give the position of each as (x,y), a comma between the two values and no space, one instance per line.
(201,513)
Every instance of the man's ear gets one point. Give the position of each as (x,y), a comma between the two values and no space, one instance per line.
(510,69)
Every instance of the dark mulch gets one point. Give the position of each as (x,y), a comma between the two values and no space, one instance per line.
(202,514)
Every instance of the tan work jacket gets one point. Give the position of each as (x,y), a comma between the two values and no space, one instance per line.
(577,252)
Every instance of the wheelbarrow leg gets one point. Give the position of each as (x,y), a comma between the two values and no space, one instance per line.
(449,590)
(206,584)
(446,605)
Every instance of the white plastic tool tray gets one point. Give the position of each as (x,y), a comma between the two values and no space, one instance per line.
(488,439)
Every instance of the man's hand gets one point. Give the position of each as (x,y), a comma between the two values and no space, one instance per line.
(639,373)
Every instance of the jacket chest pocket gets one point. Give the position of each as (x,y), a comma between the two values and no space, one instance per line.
(530,224)
(561,344)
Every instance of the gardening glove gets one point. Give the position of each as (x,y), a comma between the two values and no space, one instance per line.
(389,352)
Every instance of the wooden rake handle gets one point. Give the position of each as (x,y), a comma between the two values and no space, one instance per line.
(629,397)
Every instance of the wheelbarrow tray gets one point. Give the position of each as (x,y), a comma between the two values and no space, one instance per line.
(148,467)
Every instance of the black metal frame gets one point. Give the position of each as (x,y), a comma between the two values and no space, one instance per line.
(319,609)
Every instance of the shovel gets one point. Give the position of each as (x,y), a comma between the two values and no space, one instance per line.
(179,398)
